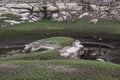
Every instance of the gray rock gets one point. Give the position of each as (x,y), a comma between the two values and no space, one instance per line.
(37,45)
(72,51)
(94,53)
(94,21)
(99,59)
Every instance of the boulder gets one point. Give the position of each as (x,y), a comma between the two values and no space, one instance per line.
(25,16)
(18,11)
(72,51)
(3,10)
(94,21)
(38,45)
(50,7)
(18,6)
(83,15)
(99,59)
(94,7)
(12,22)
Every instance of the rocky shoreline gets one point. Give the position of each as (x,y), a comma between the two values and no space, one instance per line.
(61,11)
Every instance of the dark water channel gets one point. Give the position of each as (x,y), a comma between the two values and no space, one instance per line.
(17,43)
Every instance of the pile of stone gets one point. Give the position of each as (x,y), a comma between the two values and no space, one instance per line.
(22,10)
(63,11)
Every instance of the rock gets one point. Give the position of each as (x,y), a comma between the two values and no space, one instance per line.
(12,22)
(94,21)
(37,45)
(94,53)
(59,19)
(94,7)
(50,7)
(104,8)
(99,10)
(3,10)
(70,6)
(100,39)
(24,16)
(62,17)
(18,6)
(55,15)
(99,59)
(84,14)
(71,51)
(3,17)
(31,18)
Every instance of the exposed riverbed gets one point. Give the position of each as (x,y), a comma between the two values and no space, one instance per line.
(17,43)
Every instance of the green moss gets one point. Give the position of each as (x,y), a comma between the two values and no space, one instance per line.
(65,41)
(58,70)
(81,26)
(9,15)
(43,55)
(47,28)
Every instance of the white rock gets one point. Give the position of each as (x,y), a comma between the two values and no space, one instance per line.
(18,11)
(24,16)
(59,19)
(61,6)
(100,39)
(95,7)
(94,21)
(84,14)
(99,59)
(35,46)
(103,8)
(55,15)
(12,21)
(71,51)
(51,7)
(20,6)
(34,19)
(70,6)
(31,20)
(3,10)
